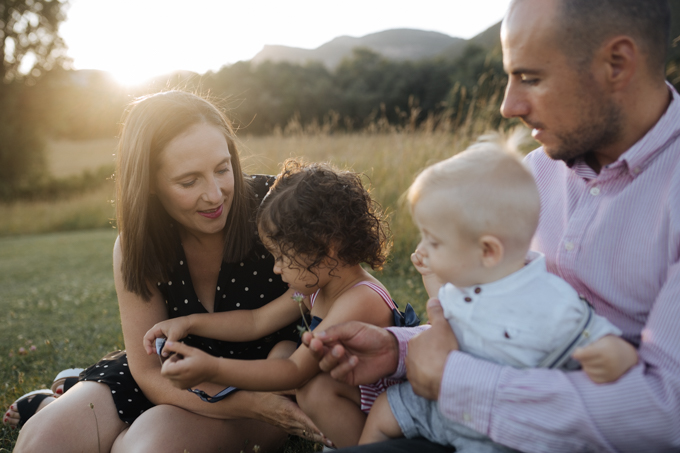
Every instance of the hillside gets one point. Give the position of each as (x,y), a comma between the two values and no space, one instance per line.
(399,45)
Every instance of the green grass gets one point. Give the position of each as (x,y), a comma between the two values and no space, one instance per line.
(57,294)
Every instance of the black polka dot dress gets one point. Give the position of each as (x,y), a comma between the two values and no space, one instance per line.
(244,285)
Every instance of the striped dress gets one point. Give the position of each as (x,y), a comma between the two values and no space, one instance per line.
(369,392)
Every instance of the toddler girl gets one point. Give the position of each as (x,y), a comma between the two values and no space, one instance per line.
(320,225)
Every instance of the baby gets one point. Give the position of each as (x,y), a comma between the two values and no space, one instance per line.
(477,213)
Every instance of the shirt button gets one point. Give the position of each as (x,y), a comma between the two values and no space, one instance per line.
(637,170)
(595,191)
(568,246)
(467,417)
(478,290)
(468,299)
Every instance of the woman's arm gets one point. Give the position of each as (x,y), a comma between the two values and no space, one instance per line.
(190,366)
(238,325)
(138,316)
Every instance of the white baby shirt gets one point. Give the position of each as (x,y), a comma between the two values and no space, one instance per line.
(519,319)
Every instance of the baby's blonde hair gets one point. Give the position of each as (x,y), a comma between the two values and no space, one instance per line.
(490,191)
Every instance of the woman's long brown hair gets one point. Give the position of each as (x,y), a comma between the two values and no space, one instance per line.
(149,236)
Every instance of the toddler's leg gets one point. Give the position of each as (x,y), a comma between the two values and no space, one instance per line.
(381,424)
(334,407)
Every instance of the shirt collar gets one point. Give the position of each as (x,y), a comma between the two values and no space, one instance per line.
(668,127)
(534,267)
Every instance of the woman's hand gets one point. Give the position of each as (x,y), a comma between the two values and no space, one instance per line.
(283,412)
(188,366)
(173,329)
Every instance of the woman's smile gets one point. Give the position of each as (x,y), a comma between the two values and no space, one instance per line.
(213,213)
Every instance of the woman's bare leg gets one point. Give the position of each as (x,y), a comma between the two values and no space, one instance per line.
(70,424)
(326,401)
(172,429)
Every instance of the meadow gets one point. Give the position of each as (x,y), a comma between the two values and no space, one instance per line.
(57,299)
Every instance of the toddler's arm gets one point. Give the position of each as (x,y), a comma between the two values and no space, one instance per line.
(237,325)
(606,359)
(430,280)
(193,366)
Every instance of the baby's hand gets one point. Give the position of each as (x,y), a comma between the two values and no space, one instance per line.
(607,359)
(187,366)
(430,280)
(419,263)
(172,329)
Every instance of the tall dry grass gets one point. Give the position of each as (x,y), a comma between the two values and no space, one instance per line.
(82,212)
(389,155)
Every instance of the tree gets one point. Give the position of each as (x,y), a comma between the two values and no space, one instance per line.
(29,46)
(29,39)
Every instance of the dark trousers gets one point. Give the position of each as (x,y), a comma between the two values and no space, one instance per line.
(400,446)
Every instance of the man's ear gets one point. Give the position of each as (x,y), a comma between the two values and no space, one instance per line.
(492,250)
(619,58)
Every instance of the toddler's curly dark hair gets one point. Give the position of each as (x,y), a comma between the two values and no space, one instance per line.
(315,209)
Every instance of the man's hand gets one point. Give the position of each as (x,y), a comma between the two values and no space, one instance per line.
(354,352)
(606,359)
(427,353)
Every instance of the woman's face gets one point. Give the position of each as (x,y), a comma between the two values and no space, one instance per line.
(194,181)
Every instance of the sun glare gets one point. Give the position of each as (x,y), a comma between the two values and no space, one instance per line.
(136,40)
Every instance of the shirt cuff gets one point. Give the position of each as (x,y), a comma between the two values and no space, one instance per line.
(468,389)
(403,335)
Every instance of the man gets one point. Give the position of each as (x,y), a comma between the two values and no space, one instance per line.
(587,76)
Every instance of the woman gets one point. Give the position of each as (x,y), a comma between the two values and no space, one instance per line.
(187,244)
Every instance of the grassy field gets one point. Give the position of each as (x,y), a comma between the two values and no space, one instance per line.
(58,309)
(68,157)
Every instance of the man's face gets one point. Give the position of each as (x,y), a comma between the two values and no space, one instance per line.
(569,112)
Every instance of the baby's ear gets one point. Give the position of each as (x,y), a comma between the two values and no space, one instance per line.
(492,250)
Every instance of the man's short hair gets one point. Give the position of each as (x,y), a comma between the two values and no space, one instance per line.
(584,25)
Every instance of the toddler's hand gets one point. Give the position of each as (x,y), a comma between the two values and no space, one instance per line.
(188,366)
(607,359)
(172,329)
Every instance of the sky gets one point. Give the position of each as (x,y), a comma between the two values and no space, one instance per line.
(138,39)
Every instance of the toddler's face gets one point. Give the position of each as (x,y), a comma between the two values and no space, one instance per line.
(452,257)
(293,273)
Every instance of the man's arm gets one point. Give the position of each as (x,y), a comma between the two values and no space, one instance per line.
(538,410)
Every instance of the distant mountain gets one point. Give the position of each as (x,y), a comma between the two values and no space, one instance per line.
(489,39)
(399,44)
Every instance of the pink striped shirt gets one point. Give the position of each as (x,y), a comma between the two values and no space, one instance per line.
(615,237)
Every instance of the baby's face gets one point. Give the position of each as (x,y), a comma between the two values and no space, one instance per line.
(452,257)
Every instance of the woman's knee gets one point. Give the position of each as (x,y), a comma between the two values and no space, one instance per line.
(169,428)
(83,419)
